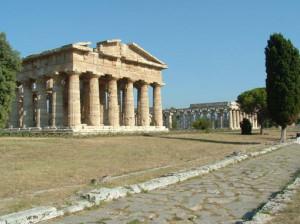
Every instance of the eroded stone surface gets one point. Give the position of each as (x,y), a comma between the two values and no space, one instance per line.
(224,196)
(34,215)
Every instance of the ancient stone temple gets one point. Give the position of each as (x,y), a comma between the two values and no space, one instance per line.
(83,89)
(220,114)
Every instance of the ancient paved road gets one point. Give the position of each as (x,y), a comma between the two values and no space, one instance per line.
(224,196)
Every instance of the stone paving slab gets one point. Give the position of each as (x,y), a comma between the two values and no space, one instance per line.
(224,196)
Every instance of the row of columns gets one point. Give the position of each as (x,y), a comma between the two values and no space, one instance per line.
(63,93)
(236,117)
(219,118)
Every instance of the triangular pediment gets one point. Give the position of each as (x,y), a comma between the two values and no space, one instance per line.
(130,52)
(141,54)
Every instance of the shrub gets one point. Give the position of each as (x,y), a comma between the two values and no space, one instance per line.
(201,124)
(246,127)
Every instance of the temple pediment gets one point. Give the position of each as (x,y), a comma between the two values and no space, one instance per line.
(131,52)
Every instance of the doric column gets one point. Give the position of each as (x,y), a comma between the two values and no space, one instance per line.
(41,110)
(113,107)
(157,108)
(170,120)
(129,104)
(255,121)
(231,119)
(94,104)
(27,104)
(57,102)
(144,105)
(221,119)
(74,116)
(102,99)
(238,118)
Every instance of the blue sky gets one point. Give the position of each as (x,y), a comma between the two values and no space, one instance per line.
(214,49)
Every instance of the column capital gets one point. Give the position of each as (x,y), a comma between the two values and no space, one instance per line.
(73,73)
(156,84)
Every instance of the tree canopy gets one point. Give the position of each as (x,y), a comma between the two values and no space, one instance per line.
(254,101)
(283,81)
(10,63)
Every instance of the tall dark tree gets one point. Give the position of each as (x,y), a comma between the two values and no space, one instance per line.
(10,63)
(254,101)
(283,81)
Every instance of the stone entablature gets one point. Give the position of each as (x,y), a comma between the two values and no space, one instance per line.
(75,86)
(220,114)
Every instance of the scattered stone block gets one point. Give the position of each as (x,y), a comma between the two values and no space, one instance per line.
(158,183)
(78,206)
(106,194)
(30,216)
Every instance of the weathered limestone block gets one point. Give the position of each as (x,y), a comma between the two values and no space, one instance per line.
(106,194)
(27,105)
(74,116)
(94,103)
(158,183)
(30,216)
(78,206)
(157,107)
(113,107)
(129,104)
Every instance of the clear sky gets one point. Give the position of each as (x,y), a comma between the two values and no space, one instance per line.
(214,48)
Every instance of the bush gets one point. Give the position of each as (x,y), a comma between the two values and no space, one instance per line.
(246,127)
(201,124)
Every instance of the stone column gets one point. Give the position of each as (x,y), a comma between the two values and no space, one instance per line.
(144,105)
(41,110)
(255,121)
(94,104)
(221,119)
(231,119)
(129,104)
(102,99)
(238,119)
(27,104)
(138,114)
(212,119)
(113,107)
(157,108)
(57,100)
(74,116)
(170,120)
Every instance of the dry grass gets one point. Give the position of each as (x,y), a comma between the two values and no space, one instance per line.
(38,171)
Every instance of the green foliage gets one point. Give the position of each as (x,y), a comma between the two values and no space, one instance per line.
(201,124)
(283,80)
(255,101)
(10,63)
(246,127)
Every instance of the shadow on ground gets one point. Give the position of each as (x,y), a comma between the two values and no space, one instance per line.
(207,140)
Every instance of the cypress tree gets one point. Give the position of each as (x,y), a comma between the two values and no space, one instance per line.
(283,81)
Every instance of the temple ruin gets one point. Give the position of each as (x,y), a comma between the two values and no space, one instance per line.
(82,89)
(222,115)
